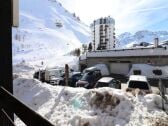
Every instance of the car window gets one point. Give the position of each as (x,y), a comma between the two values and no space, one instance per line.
(102,84)
(138,84)
(114,81)
(111,84)
(88,77)
(78,76)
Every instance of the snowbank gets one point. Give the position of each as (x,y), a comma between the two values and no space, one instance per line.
(147,70)
(66,106)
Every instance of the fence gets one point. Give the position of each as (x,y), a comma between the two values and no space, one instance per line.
(9,104)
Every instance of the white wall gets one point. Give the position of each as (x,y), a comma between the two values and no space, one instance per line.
(133,52)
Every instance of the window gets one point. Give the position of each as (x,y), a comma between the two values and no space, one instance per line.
(157,72)
(138,84)
(137,72)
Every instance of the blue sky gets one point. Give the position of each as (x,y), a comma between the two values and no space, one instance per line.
(130,15)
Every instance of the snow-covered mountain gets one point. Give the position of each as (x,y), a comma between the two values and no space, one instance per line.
(127,39)
(46,30)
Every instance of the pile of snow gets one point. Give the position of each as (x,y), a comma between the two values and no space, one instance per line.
(46,31)
(147,70)
(81,107)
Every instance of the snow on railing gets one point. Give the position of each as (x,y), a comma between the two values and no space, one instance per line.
(129,52)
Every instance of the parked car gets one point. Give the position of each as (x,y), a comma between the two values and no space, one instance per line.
(102,67)
(89,78)
(54,76)
(39,75)
(108,82)
(139,81)
(74,78)
(36,75)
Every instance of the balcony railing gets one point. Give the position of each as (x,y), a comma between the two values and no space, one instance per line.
(8,103)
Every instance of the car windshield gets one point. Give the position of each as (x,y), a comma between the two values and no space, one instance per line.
(87,76)
(138,84)
(102,84)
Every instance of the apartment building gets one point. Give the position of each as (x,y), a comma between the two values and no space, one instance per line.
(103,34)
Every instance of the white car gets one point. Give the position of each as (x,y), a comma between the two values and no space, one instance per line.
(139,81)
(108,82)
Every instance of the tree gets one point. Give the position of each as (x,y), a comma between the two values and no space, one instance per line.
(84,48)
(74,15)
(78,18)
(77,52)
(90,47)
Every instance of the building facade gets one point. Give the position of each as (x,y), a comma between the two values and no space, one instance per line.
(103,34)
(120,61)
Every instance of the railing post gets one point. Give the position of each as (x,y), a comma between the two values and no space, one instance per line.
(6,49)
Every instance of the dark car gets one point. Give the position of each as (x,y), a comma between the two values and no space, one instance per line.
(74,78)
(39,75)
(36,75)
(89,79)
(108,82)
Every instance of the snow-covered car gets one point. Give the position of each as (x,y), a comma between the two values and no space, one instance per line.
(108,82)
(139,81)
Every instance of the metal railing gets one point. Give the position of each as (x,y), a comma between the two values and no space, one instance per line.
(162,89)
(8,103)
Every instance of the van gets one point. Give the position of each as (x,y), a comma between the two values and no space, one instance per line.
(53,76)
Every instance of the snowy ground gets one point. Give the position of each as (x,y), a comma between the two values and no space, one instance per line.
(66,106)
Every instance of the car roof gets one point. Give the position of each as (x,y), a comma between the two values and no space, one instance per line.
(91,69)
(74,73)
(105,79)
(138,78)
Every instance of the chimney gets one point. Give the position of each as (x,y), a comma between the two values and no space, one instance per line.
(156,42)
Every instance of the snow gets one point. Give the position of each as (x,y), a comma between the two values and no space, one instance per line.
(105,79)
(38,36)
(138,78)
(80,107)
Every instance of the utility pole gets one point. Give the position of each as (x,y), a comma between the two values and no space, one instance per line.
(66,74)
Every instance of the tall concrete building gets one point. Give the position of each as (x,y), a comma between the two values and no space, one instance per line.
(103,34)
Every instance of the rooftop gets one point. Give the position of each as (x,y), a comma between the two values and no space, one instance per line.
(138,78)
(105,79)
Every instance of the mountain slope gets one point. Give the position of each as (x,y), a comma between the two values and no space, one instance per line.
(46,30)
(127,39)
